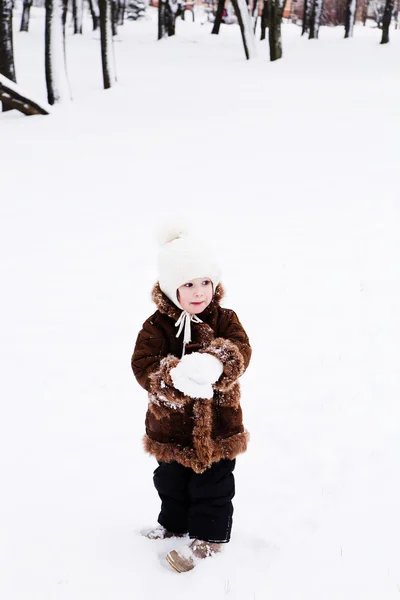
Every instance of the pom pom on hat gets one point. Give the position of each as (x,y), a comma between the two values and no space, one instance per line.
(182,257)
(169,233)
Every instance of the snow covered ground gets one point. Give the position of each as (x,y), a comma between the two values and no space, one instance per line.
(291,168)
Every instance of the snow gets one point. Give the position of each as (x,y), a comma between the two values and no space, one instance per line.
(190,387)
(195,373)
(203,368)
(16,88)
(291,169)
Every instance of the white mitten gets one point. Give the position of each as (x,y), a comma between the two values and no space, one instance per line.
(188,386)
(203,368)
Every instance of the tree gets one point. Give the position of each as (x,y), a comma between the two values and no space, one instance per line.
(243,16)
(77,15)
(264,19)
(13,97)
(121,11)
(218,17)
(315,19)
(163,17)
(255,10)
(274,33)
(114,17)
(64,14)
(242,13)
(7,67)
(351,9)
(107,47)
(55,60)
(167,13)
(387,17)
(306,16)
(26,11)
(94,12)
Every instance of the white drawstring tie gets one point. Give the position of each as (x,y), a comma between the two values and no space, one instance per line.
(184,323)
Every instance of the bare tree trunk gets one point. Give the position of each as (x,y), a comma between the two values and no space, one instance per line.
(167,13)
(77,15)
(55,60)
(64,14)
(12,95)
(107,48)
(255,15)
(351,10)
(162,29)
(274,31)
(396,14)
(94,11)
(387,17)
(265,18)
(315,19)
(218,17)
(365,12)
(7,67)
(243,16)
(121,11)
(171,18)
(306,16)
(114,17)
(26,11)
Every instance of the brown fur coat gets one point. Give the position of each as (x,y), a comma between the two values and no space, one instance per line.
(193,432)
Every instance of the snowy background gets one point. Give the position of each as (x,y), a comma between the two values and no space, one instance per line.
(292,170)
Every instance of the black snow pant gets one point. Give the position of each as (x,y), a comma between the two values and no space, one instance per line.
(197,503)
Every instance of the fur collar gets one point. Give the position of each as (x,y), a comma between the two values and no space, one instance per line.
(168,308)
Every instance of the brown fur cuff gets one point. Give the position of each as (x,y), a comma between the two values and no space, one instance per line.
(168,363)
(163,395)
(229,354)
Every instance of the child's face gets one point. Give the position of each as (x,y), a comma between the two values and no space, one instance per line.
(195,295)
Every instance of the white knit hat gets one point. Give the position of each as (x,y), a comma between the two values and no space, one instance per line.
(182,257)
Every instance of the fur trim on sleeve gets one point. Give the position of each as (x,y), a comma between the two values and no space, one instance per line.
(229,354)
(163,396)
(168,363)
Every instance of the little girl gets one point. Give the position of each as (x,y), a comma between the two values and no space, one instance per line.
(189,356)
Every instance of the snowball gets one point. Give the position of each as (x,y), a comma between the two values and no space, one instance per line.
(202,368)
(188,386)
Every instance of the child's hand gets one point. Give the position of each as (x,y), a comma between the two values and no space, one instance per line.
(202,368)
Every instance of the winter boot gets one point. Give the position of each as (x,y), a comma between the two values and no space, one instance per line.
(160,533)
(186,559)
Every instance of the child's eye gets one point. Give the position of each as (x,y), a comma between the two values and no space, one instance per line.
(206,282)
(188,285)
